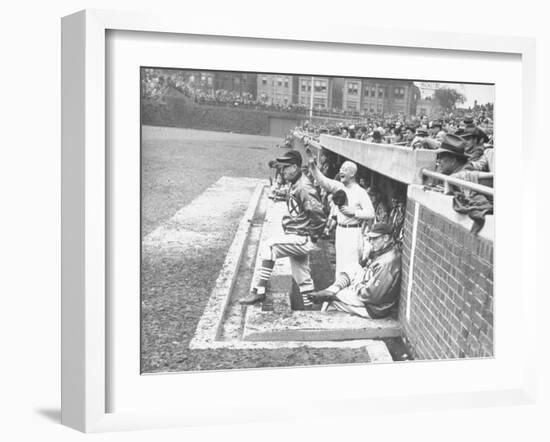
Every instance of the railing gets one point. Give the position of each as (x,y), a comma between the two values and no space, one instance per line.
(329,116)
(449,180)
(301,133)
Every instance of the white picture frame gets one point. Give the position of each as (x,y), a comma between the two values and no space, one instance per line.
(85,203)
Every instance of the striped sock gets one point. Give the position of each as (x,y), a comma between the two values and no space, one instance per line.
(265,273)
(305,299)
(342,281)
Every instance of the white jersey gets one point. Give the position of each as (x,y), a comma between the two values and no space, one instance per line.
(358,201)
(349,232)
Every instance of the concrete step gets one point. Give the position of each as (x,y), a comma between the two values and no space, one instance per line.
(284,324)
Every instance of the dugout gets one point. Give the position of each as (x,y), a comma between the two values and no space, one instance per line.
(446,297)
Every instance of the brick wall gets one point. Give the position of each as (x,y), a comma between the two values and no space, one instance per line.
(451,298)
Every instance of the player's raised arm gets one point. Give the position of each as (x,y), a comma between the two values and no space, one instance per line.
(329,185)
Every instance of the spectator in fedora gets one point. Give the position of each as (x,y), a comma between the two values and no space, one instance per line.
(451,157)
(453,161)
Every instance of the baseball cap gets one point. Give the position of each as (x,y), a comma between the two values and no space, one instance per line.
(289,157)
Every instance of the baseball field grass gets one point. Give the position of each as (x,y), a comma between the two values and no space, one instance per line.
(178,165)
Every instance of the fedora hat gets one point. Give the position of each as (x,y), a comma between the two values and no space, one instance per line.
(454,145)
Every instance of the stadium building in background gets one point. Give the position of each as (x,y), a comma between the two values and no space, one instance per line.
(279,90)
(322,92)
(236,82)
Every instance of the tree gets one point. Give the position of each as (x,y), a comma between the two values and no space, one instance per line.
(448,98)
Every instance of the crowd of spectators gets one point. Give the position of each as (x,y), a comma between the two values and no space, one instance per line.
(466,135)
(474,125)
(154,85)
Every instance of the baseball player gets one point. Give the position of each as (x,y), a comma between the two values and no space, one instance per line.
(302,226)
(350,216)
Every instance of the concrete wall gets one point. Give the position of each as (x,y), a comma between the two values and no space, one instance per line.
(279,127)
(179,111)
(446,305)
(396,162)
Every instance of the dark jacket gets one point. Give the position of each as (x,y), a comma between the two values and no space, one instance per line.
(379,289)
(476,206)
(305,211)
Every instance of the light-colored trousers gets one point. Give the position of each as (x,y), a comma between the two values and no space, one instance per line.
(347,301)
(349,248)
(297,249)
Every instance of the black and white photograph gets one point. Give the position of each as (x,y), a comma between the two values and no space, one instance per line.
(243,221)
(297,220)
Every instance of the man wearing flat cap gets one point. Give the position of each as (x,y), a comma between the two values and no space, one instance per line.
(302,225)
(370,291)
